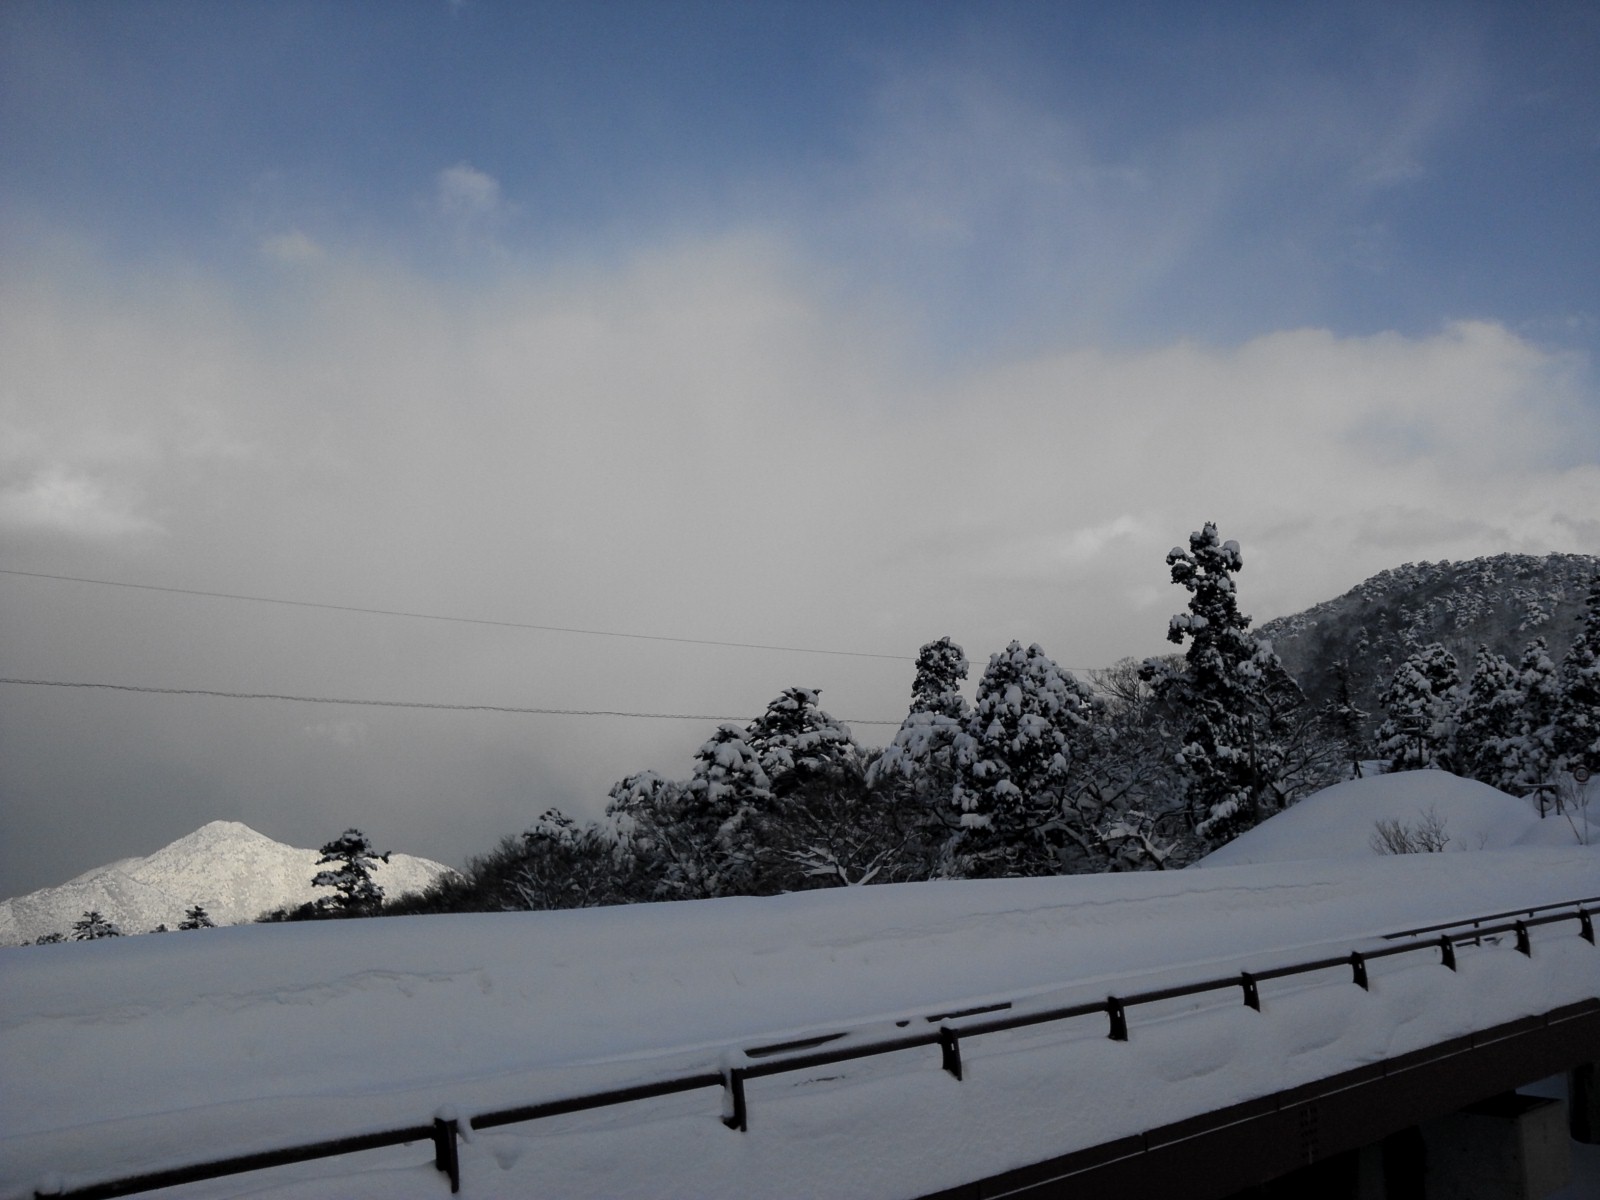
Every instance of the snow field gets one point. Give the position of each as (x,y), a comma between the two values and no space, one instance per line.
(138,1053)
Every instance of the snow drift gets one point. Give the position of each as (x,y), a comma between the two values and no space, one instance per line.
(1340,821)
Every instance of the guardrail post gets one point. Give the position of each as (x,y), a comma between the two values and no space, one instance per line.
(1358,967)
(735,1115)
(1524,946)
(1447,951)
(1583,1104)
(446,1155)
(950,1050)
(1119,1019)
(1585,926)
(1252,996)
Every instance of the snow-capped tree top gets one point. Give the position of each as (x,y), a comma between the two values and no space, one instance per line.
(728,771)
(1206,570)
(1019,682)
(796,735)
(941,666)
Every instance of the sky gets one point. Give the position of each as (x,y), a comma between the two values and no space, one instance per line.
(835,328)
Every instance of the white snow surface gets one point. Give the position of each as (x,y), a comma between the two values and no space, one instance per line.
(1340,822)
(229,869)
(133,1054)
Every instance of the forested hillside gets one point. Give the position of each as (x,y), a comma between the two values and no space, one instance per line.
(1503,602)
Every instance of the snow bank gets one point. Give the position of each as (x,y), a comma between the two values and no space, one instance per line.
(1340,821)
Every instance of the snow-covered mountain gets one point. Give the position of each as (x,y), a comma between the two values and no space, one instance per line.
(229,869)
(1503,602)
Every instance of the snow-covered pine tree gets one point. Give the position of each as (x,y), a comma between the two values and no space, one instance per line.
(919,755)
(698,838)
(1488,726)
(1014,760)
(1578,716)
(795,740)
(1534,753)
(1233,692)
(197,918)
(653,818)
(1419,706)
(824,826)
(91,926)
(356,893)
(936,688)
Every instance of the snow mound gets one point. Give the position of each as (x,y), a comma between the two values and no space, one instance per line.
(1339,822)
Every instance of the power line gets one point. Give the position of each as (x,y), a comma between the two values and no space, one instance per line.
(390,612)
(499,708)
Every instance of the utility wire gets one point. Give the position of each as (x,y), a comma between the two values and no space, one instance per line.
(500,708)
(389,612)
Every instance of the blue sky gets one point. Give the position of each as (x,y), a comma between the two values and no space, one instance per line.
(846,326)
(1359,167)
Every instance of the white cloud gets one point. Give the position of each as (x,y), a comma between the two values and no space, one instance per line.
(59,500)
(464,193)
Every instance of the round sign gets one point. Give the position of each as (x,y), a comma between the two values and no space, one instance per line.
(1580,774)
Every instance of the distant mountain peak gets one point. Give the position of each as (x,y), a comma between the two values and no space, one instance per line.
(213,832)
(234,872)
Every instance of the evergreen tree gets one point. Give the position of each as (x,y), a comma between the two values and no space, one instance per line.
(1419,706)
(698,838)
(941,666)
(357,894)
(1577,724)
(92,926)
(824,825)
(1488,728)
(1535,752)
(1014,760)
(919,757)
(197,918)
(1237,700)
(1345,720)
(795,741)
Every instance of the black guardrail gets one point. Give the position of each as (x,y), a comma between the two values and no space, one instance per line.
(826,1049)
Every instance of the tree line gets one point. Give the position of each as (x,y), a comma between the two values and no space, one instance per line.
(1146,766)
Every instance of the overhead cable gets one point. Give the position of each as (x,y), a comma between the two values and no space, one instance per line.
(499,708)
(390,612)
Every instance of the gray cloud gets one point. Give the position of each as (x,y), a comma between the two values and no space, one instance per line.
(708,441)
